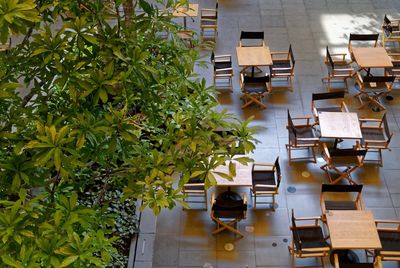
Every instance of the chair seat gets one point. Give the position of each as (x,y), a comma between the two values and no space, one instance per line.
(280,64)
(263,178)
(344,161)
(372,134)
(302,132)
(255,88)
(312,237)
(340,205)
(390,240)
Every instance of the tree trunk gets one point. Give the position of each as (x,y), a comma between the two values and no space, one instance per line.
(129,9)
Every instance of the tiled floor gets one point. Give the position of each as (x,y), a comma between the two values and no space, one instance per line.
(184,238)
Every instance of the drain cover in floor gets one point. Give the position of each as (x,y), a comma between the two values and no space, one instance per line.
(249,229)
(207,265)
(229,247)
(305,174)
(291,189)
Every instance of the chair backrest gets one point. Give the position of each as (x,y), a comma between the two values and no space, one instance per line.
(387,25)
(291,125)
(296,235)
(259,79)
(252,36)
(337,188)
(364,37)
(386,20)
(347,152)
(386,129)
(291,55)
(278,172)
(329,58)
(328,95)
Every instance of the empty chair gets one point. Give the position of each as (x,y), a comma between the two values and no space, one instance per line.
(319,103)
(193,190)
(395,70)
(390,30)
(222,69)
(253,89)
(342,161)
(209,22)
(301,136)
(251,39)
(282,66)
(308,240)
(369,39)
(373,87)
(338,68)
(375,135)
(338,264)
(227,210)
(341,197)
(389,234)
(266,180)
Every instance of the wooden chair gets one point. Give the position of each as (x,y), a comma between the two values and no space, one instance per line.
(338,68)
(308,240)
(282,66)
(361,38)
(389,234)
(373,87)
(209,23)
(376,264)
(227,210)
(266,180)
(251,39)
(193,190)
(342,161)
(253,89)
(340,192)
(375,135)
(301,136)
(222,68)
(390,30)
(323,106)
(395,70)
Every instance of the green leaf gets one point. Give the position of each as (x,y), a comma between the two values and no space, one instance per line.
(232,168)
(11,261)
(69,260)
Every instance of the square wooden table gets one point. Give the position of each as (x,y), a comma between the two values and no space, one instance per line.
(253,56)
(372,57)
(339,125)
(183,11)
(243,175)
(352,229)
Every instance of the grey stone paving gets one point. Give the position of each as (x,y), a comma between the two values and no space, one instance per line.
(183,238)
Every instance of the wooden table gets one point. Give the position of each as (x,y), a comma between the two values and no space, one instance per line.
(352,229)
(253,56)
(243,175)
(183,11)
(339,125)
(372,57)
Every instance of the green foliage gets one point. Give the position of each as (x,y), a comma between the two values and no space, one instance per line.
(89,96)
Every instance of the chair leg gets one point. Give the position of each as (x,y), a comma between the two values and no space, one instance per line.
(322,262)
(273,202)
(255,200)
(329,84)
(206,199)
(380,157)
(313,152)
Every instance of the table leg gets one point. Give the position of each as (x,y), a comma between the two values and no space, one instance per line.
(252,71)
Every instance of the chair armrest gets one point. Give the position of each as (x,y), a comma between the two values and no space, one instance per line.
(279,53)
(315,249)
(209,9)
(344,106)
(369,120)
(308,218)
(223,70)
(212,201)
(194,184)
(307,118)
(282,69)
(325,151)
(344,69)
(222,56)
(308,139)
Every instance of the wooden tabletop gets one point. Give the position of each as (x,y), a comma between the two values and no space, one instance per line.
(183,11)
(243,175)
(372,57)
(352,229)
(339,125)
(253,56)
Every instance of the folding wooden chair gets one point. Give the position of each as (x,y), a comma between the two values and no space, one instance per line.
(266,179)
(282,66)
(301,136)
(390,30)
(194,190)
(340,198)
(209,23)
(323,106)
(338,264)
(253,89)
(222,69)
(389,234)
(373,87)
(338,68)
(375,135)
(227,210)
(370,39)
(337,159)
(308,240)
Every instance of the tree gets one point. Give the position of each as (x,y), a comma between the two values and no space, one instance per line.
(90,96)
